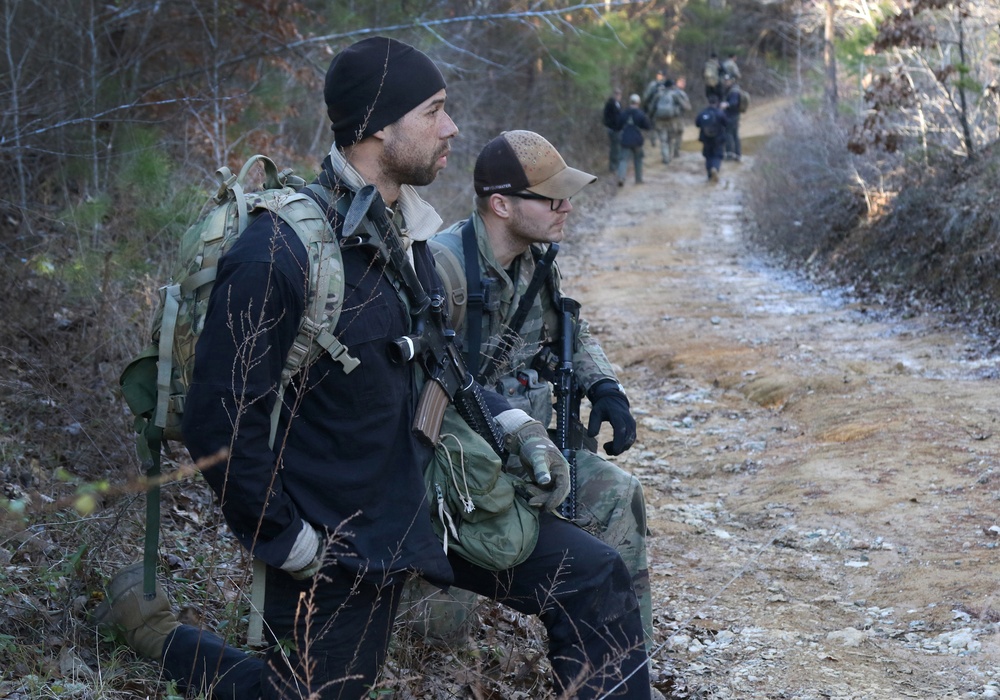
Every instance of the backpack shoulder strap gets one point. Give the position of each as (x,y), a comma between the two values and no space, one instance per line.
(324,299)
(452,274)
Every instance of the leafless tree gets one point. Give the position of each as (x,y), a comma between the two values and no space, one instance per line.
(939,65)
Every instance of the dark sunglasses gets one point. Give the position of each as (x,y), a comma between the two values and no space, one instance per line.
(554,204)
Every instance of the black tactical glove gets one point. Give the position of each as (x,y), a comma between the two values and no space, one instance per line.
(608,403)
(539,454)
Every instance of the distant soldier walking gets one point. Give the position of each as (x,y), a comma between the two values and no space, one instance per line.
(612,110)
(712,75)
(734,103)
(711,123)
(675,124)
(632,121)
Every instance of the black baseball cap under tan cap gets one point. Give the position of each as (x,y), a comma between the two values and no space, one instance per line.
(518,161)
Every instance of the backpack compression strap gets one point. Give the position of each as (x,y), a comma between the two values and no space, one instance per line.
(474,295)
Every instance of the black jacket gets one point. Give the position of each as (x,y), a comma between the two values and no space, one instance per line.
(345,452)
(630,121)
(712,123)
(732,100)
(612,108)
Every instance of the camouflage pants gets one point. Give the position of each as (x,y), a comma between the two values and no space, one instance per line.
(610,506)
(663,135)
(675,132)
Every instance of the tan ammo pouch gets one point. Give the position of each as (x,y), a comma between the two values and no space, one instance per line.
(526,391)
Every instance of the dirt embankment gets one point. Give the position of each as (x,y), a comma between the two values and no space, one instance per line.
(821,477)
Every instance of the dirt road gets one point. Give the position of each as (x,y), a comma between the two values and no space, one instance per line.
(822,478)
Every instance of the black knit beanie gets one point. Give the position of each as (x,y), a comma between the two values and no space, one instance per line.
(373,83)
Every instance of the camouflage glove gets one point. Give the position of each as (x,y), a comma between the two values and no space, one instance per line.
(308,571)
(608,403)
(537,452)
(306,557)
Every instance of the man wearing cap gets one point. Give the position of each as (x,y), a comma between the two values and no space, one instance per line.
(633,121)
(523,189)
(337,509)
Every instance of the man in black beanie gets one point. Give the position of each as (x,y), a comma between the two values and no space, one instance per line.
(336,509)
(373,83)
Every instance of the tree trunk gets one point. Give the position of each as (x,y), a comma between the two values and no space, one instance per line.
(15,66)
(830,57)
(964,112)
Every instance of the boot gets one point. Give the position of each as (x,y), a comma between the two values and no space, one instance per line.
(146,623)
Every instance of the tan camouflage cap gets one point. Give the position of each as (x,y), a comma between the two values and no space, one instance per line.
(516,161)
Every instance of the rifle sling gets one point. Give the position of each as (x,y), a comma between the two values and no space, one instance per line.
(328,179)
(474,295)
(541,275)
(474,312)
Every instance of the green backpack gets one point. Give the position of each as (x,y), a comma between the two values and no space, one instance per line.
(744,101)
(664,105)
(155,383)
(478,509)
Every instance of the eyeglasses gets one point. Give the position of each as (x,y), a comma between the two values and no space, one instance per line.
(554,204)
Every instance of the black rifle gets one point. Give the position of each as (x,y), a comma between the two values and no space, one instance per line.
(432,342)
(558,369)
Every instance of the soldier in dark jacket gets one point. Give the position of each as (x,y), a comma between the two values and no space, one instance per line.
(731,104)
(337,509)
(612,109)
(711,123)
(632,122)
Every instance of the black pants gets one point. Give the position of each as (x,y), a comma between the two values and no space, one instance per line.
(733,146)
(578,586)
(333,637)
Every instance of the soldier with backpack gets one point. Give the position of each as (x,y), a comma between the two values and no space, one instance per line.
(523,189)
(712,75)
(632,122)
(735,102)
(650,91)
(331,497)
(673,125)
(711,123)
(648,98)
(662,109)
(730,67)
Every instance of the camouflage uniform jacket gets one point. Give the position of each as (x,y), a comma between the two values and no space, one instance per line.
(730,68)
(684,102)
(541,326)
